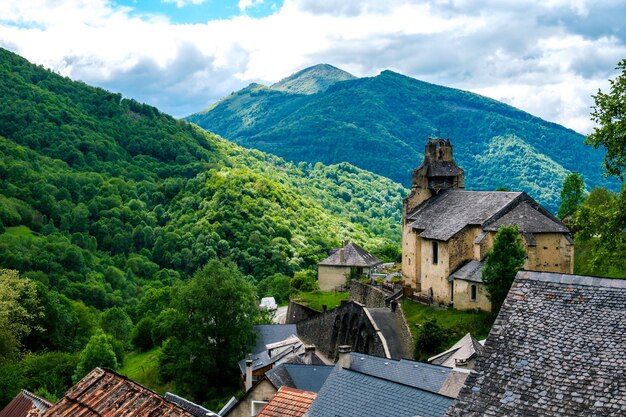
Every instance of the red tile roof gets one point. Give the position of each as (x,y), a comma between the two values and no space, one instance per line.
(104,393)
(288,402)
(25,404)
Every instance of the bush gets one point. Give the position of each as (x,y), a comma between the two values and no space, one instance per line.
(142,334)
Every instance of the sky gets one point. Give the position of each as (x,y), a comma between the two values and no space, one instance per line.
(545,57)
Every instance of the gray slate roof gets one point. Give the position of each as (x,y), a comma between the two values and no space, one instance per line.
(353,255)
(557,348)
(267,334)
(189,406)
(348,393)
(450,211)
(471,271)
(466,348)
(415,374)
(304,377)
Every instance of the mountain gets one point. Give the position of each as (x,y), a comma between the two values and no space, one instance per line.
(382,123)
(312,80)
(102,197)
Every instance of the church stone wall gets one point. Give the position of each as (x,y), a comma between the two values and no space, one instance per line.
(435,276)
(462,296)
(553,253)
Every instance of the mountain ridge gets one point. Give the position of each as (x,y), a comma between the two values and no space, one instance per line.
(382,123)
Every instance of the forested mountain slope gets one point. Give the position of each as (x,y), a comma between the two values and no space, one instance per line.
(382,123)
(101,196)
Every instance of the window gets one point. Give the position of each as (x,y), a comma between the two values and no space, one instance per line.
(256,407)
(435,252)
(473,292)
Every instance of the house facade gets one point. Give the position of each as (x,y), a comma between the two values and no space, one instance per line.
(447,231)
(343,264)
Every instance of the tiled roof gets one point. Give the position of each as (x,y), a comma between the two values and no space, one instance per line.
(348,393)
(444,215)
(557,348)
(288,402)
(106,393)
(25,404)
(415,374)
(464,349)
(353,255)
(305,377)
(269,334)
(468,272)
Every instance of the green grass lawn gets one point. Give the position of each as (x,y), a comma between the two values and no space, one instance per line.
(141,367)
(19,231)
(315,299)
(454,323)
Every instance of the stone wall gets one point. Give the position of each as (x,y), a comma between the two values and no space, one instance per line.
(367,295)
(405,331)
(297,312)
(329,278)
(347,324)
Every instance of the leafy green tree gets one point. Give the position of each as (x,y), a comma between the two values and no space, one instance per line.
(502,262)
(305,281)
(116,322)
(142,334)
(609,113)
(20,311)
(429,340)
(572,194)
(98,353)
(219,307)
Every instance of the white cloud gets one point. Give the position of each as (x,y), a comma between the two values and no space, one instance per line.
(545,58)
(183,3)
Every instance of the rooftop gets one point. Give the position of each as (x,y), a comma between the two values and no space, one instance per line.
(288,402)
(450,211)
(471,271)
(348,393)
(463,350)
(351,255)
(23,404)
(305,377)
(557,348)
(103,392)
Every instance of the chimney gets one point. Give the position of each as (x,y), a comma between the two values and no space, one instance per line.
(344,356)
(248,373)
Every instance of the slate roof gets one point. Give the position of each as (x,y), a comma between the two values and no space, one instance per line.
(187,405)
(305,377)
(106,393)
(441,168)
(557,348)
(466,348)
(288,402)
(25,404)
(348,393)
(353,255)
(268,334)
(414,374)
(450,211)
(469,272)
(529,218)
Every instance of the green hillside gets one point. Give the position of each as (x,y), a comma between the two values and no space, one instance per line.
(381,124)
(101,197)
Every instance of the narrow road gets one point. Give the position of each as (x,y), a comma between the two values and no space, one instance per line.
(281,315)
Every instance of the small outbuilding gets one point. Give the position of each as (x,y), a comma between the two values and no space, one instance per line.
(343,264)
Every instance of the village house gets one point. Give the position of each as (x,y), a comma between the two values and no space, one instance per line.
(344,264)
(447,231)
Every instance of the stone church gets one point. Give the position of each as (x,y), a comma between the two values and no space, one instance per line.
(447,231)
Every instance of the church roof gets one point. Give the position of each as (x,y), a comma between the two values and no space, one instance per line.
(557,348)
(450,211)
(351,255)
(471,271)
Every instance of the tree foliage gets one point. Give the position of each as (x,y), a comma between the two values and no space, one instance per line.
(19,312)
(218,308)
(502,262)
(98,353)
(609,113)
(572,194)
(430,338)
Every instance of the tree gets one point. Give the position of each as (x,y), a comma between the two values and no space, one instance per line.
(142,334)
(429,339)
(572,194)
(218,306)
(20,310)
(98,353)
(502,262)
(116,322)
(609,112)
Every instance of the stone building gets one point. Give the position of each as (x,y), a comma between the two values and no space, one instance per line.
(447,231)
(343,264)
